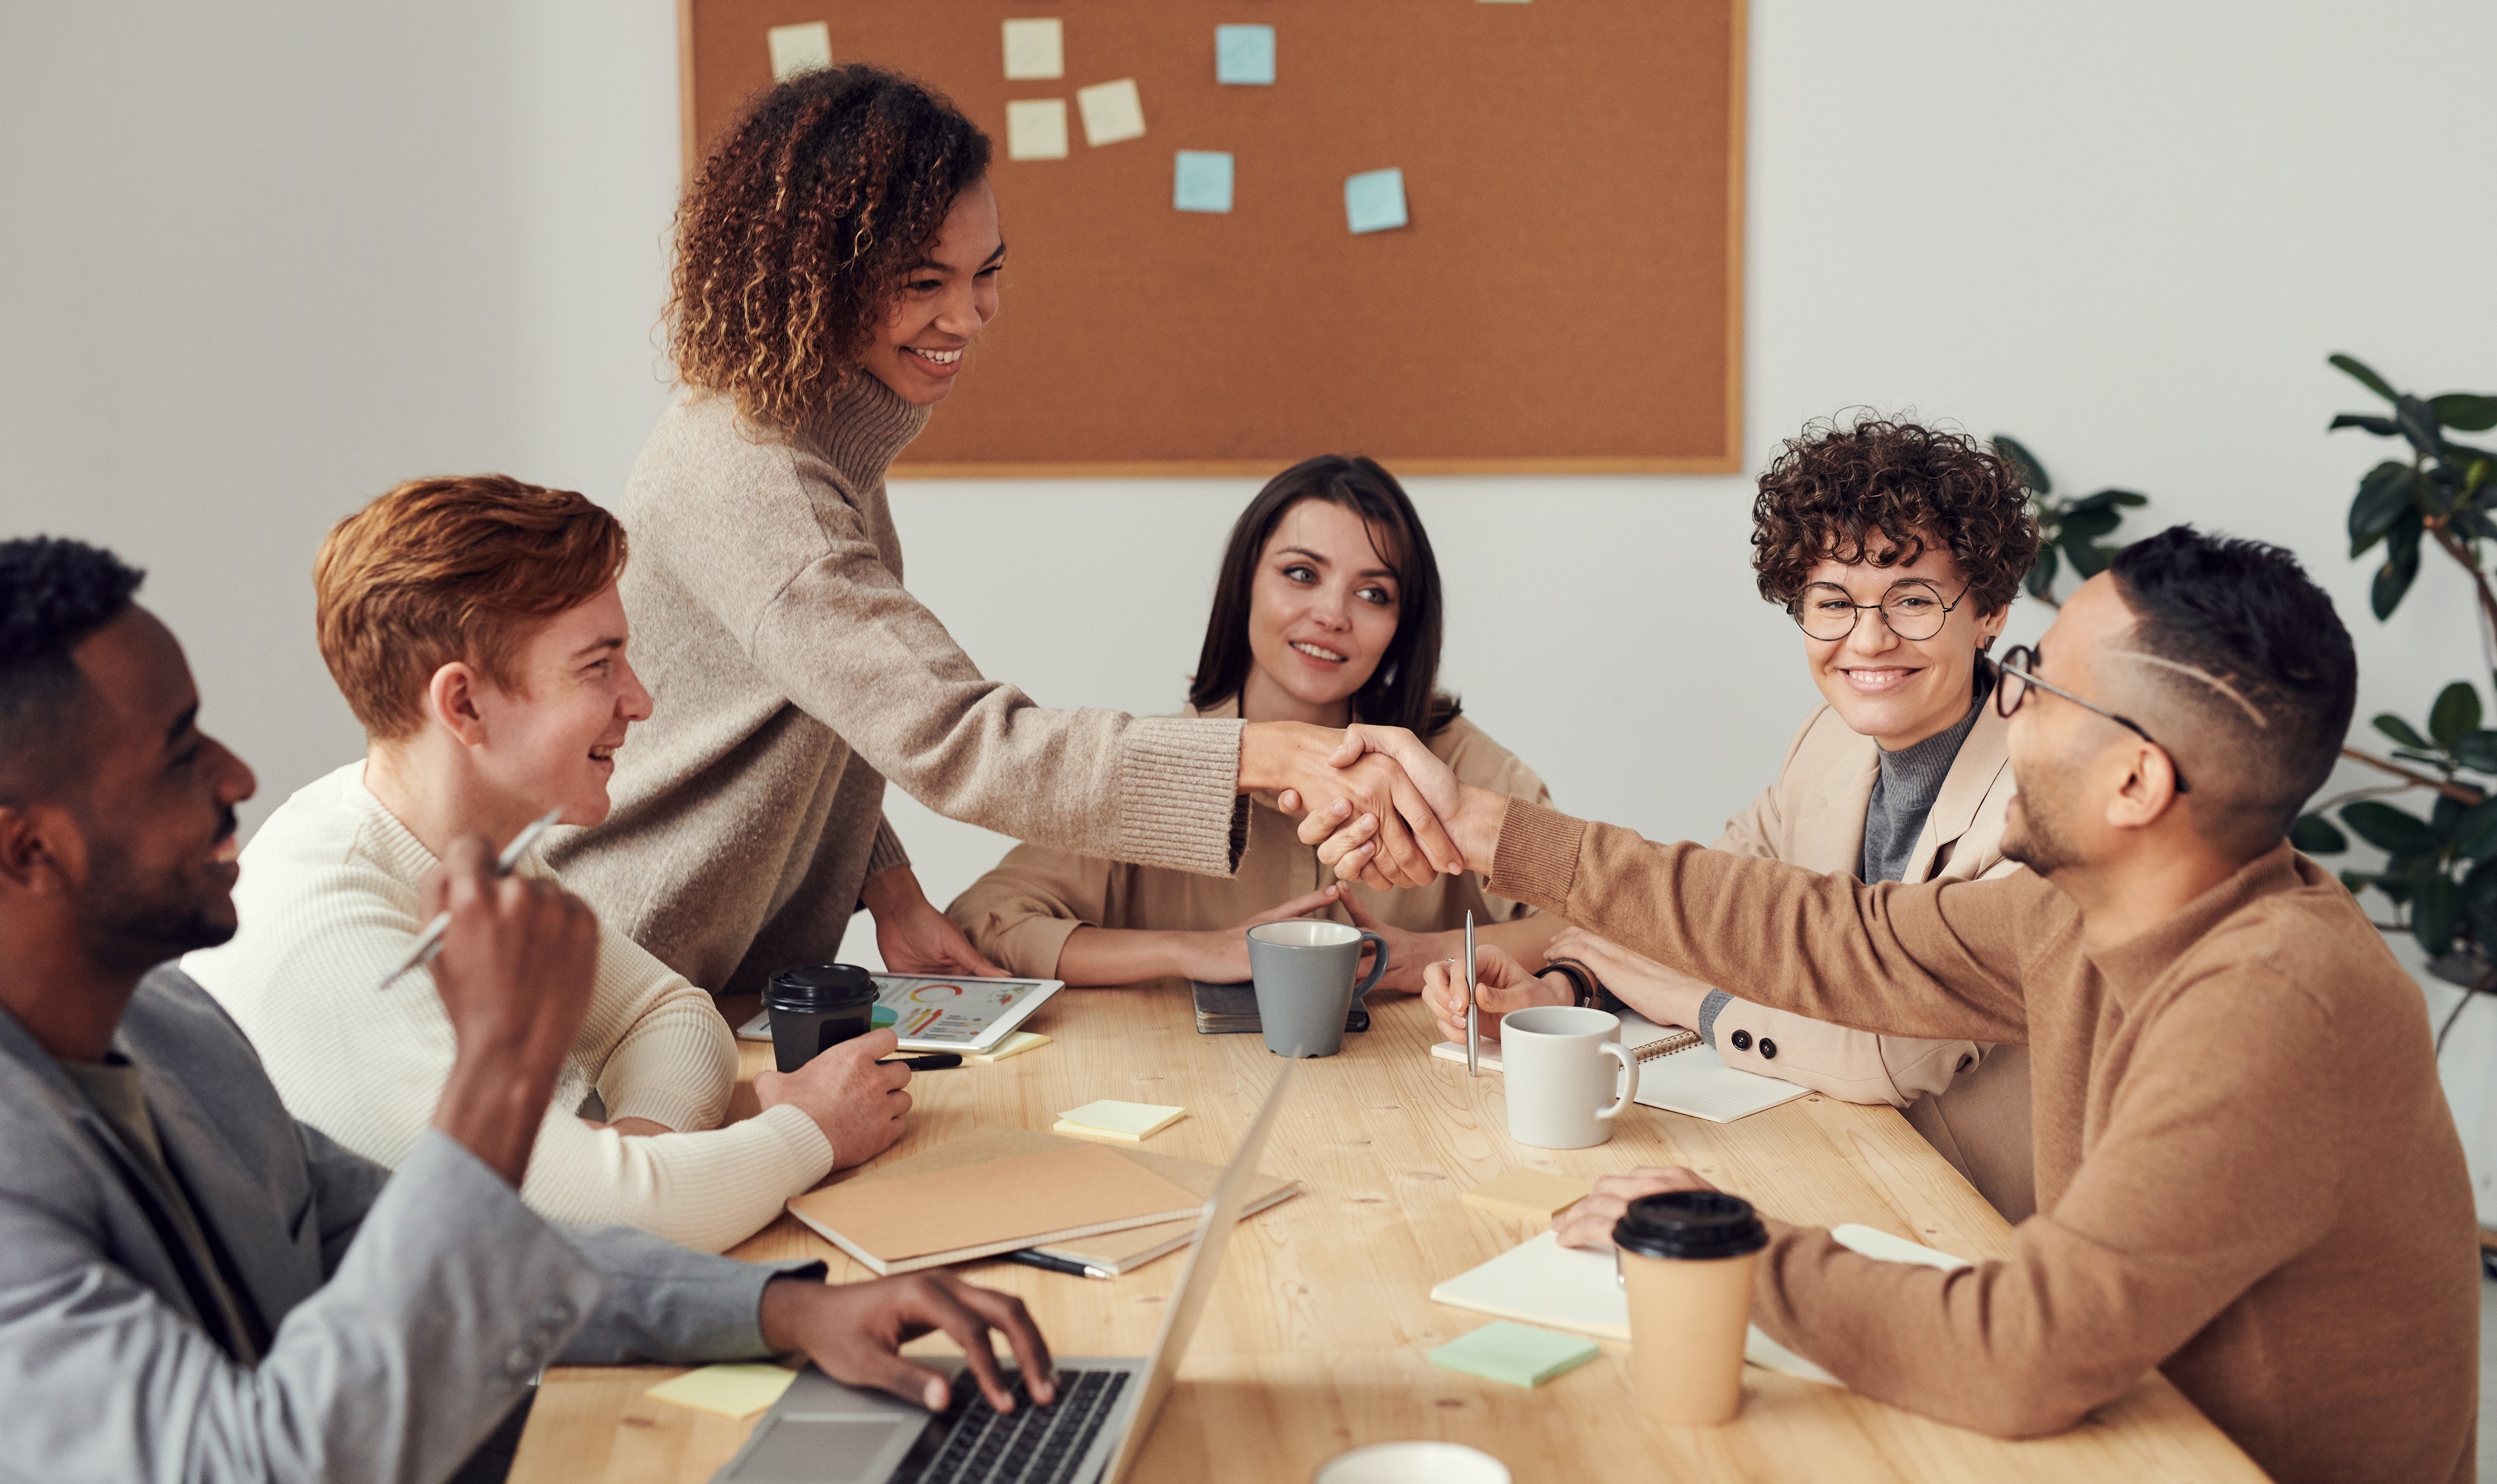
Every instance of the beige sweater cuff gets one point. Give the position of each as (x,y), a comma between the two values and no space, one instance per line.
(886,852)
(1537,859)
(1178,784)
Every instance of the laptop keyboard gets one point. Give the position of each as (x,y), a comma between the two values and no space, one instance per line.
(970,1443)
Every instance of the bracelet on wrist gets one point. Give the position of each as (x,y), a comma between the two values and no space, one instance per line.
(1587,990)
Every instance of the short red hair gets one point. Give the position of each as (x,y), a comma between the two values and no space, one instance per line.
(451,569)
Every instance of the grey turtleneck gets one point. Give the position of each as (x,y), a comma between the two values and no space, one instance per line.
(1905,787)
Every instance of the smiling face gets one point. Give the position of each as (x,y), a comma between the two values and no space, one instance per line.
(944,303)
(552,739)
(1897,691)
(1322,612)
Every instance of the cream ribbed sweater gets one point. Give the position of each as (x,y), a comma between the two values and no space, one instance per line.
(794,673)
(329,904)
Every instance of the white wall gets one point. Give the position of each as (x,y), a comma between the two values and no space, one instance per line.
(265,257)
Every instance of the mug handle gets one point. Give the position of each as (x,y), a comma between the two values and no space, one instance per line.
(1630,1069)
(1376,969)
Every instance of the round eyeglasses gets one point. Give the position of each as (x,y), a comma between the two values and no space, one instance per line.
(1913,607)
(2018,676)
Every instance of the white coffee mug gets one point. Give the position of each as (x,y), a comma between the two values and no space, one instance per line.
(1412,1463)
(1560,1064)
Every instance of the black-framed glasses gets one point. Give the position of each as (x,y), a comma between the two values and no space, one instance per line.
(1913,608)
(2011,687)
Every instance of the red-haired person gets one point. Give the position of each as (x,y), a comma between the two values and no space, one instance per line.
(474,626)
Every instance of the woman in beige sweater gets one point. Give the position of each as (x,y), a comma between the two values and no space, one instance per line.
(837,257)
(1327,611)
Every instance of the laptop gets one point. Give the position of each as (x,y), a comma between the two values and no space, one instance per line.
(822,1431)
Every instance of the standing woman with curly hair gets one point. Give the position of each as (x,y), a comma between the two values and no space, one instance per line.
(1896,549)
(837,258)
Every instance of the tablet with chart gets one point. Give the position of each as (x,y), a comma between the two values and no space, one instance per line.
(930,1013)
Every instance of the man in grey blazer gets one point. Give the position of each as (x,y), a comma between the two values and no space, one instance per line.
(195,1286)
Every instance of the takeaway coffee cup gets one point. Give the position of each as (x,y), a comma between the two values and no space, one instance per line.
(1304,971)
(1568,1075)
(1687,1261)
(816,1007)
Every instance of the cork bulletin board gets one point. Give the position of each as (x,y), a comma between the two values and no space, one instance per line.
(1565,293)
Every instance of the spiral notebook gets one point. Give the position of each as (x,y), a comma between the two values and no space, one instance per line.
(1677,1073)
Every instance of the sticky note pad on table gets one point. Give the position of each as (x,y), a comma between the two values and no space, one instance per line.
(1518,1354)
(1373,200)
(1035,130)
(798,48)
(1036,48)
(1202,181)
(732,1391)
(1527,1195)
(1244,54)
(1111,1118)
(1016,1043)
(1112,112)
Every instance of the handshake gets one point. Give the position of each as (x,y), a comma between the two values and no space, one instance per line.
(1379,806)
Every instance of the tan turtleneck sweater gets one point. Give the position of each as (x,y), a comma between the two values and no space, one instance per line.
(2246,1173)
(794,675)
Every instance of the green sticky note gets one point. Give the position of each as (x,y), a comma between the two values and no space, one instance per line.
(1518,1354)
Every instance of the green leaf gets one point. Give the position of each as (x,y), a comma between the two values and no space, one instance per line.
(2467,411)
(2396,832)
(2477,751)
(2382,495)
(2433,911)
(2358,373)
(2381,427)
(2475,835)
(2444,815)
(2419,424)
(2479,888)
(2024,464)
(2316,835)
(2042,574)
(2400,730)
(2087,560)
(2457,711)
(2401,565)
(2088,524)
(2129,497)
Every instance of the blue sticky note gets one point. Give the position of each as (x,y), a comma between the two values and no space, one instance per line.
(1373,200)
(1202,181)
(1244,54)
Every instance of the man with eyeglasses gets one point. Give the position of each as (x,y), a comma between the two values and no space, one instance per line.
(2246,1173)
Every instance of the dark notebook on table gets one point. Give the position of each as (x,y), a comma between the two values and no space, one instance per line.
(1231,1009)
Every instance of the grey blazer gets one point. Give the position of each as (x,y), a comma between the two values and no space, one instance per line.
(404,1314)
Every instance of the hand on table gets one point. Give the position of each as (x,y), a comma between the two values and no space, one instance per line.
(913,936)
(1650,988)
(1312,773)
(1502,984)
(1590,1222)
(1408,954)
(855,1331)
(857,1100)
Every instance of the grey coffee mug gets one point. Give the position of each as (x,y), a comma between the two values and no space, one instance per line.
(1304,972)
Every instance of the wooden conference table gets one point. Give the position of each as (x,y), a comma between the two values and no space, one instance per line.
(1316,1340)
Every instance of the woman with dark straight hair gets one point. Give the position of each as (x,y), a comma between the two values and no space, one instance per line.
(1326,611)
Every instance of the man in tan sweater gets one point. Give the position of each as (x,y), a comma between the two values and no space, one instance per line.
(2246,1173)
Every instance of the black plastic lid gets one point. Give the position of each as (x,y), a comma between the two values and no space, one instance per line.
(820,987)
(1690,1224)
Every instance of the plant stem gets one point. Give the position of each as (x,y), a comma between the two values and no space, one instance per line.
(2452,546)
(2459,793)
(2448,1026)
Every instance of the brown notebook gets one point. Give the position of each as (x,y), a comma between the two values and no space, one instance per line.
(942,1207)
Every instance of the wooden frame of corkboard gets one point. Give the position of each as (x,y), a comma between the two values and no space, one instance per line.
(1569,297)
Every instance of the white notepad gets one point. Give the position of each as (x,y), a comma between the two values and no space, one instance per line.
(1572,1289)
(1642,1037)
(1696,1081)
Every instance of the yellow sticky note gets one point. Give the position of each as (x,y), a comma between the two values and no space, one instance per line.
(1036,48)
(732,1391)
(1111,1118)
(1014,1045)
(1112,112)
(1036,128)
(798,48)
(1526,1195)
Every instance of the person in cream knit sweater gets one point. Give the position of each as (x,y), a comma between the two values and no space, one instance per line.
(473,624)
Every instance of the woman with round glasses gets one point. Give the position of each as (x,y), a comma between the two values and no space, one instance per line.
(1897,549)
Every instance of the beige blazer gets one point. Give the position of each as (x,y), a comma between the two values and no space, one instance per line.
(1021,913)
(1970,1101)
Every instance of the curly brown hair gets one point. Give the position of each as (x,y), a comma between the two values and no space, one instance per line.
(793,236)
(1832,487)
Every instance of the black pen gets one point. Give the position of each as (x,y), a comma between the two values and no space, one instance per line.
(1034,1258)
(937,1062)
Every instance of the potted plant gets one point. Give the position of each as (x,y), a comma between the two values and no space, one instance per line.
(2074,527)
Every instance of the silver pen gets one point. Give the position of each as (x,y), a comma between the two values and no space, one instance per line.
(430,941)
(1473,1011)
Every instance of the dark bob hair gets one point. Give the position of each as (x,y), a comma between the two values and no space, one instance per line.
(1402,691)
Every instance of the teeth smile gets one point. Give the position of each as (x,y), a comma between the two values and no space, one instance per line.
(940,357)
(602,754)
(1316,652)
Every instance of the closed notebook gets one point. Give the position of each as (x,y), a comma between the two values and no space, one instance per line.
(1572,1288)
(912,1214)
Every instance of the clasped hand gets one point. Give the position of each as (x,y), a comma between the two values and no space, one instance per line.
(1381,808)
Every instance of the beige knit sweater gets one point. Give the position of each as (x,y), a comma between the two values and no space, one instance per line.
(329,904)
(794,675)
